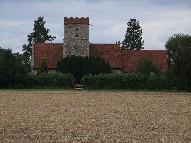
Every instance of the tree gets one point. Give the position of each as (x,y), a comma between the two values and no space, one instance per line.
(39,35)
(147,66)
(43,67)
(133,37)
(179,56)
(80,66)
(12,70)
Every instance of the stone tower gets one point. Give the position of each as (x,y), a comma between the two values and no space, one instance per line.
(76,36)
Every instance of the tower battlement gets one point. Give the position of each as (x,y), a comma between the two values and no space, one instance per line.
(76,20)
(76,36)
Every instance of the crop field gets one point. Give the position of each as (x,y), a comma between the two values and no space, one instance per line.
(45,116)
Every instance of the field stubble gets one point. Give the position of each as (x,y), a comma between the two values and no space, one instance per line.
(85,116)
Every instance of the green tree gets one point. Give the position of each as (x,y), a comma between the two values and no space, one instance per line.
(147,66)
(43,67)
(133,38)
(179,56)
(39,35)
(12,70)
(79,66)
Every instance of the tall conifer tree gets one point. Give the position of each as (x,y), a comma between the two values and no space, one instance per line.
(133,38)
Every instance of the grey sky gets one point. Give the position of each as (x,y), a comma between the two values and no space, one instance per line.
(159,19)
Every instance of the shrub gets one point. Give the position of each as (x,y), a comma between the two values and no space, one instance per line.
(80,66)
(31,80)
(12,70)
(42,67)
(132,81)
(51,79)
(147,66)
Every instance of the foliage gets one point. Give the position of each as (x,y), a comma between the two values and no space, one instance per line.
(133,37)
(132,81)
(147,66)
(43,67)
(12,70)
(39,35)
(179,56)
(79,66)
(51,79)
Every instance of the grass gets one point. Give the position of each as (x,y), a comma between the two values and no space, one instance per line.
(94,116)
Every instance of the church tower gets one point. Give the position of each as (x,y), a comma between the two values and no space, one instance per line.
(76,36)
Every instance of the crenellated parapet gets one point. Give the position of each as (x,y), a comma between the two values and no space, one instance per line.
(76,20)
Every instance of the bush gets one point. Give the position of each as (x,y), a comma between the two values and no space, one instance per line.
(12,70)
(42,67)
(182,85)
(31,80)
(132,81)
(81,66)
(51,79)
(147,66)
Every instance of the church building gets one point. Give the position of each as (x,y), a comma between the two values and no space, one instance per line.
(76,42)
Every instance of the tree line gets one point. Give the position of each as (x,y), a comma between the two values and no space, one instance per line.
(15,67)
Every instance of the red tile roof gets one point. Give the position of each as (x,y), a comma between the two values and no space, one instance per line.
(110,52)
(130,58)
(52,52)
(126,60)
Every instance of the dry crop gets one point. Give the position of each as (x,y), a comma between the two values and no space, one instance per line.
(86,116)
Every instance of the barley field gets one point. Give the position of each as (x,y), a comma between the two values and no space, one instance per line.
(42,116)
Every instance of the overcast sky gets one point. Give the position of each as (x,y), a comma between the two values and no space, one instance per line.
(159,19)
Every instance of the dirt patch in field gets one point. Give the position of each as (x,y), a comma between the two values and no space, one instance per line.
(84,116)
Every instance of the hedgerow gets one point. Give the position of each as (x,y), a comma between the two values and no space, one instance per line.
(51,79)
(132,81)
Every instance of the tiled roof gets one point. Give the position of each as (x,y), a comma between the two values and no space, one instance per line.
(110,52)
(126,60)
(130,58)
(52,52)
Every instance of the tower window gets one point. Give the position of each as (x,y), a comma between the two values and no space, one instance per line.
(76,33)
